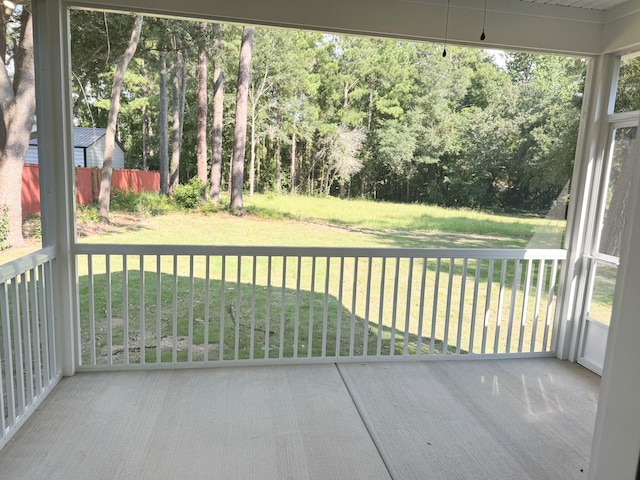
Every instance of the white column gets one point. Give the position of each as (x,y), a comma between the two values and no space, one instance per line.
(615,451)
(590,153)
(57,198)
(616,444)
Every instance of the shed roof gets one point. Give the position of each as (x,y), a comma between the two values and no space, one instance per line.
(83,137)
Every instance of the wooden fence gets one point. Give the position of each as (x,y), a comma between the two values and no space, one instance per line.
(87,185)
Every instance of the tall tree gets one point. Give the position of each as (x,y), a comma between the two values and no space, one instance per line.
(178,102)
(259,86)
(341,148)
(218,110)
(201,150)
(240,130)
(163,127)
(17,110)
(110,136)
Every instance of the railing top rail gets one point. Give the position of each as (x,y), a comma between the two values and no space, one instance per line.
(350,252)
(21,265)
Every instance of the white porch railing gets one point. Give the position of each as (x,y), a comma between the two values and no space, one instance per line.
(28,369)
(147,306)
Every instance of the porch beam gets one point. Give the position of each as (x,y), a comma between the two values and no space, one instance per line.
(509,24)
(57,199)
(622,28)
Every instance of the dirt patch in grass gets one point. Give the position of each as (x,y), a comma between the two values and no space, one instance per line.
(118,224)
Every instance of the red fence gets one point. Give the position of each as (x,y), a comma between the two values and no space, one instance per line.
(87,185)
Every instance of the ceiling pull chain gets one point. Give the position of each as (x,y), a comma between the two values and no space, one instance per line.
(446,30)
(484,21)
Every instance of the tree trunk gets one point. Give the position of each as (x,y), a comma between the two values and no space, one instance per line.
(201,148)
(114,108)
(151,153)
(293,160)
(252,167)
(176,129)
(345,94)
(3,37)
(258,161)
(144,119)
(164,126)
(278,157)
(240,130)
(619,185)
(216,141)
(144,137)
(17,110)
(372,89)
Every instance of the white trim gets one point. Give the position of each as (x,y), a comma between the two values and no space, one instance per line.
(509,24)
(311,361)
(589,154)
(241,250)
(621,30)
(21,265)
(616,441)
(57,182)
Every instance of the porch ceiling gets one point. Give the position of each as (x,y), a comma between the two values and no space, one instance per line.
(491,419)
(589,4)
(597,26)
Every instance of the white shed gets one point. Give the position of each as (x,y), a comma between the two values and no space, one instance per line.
(88,148)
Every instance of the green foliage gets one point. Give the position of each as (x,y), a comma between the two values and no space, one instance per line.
(462,131)
(32,227)
(124,200)
(152,204)
(144,203)
(87,214)
(628,91)
(4,226)
(189,195)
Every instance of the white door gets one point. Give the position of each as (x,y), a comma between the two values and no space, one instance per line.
(604,256)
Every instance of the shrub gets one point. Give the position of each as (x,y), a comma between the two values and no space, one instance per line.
(152,204)
(87,214)
(4,226)
(32,227)
(189,195)
(124,200)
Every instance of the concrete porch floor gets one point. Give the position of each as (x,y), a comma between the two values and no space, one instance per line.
(485,419)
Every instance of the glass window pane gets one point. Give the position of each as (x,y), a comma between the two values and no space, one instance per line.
(628,91)
(623,153)
(604,285)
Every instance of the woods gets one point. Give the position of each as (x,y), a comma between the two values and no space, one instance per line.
(336,115)
(326,114)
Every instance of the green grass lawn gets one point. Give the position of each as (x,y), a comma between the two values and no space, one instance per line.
(326,321)
(313,221)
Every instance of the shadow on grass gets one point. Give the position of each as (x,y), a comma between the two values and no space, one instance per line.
(195,320)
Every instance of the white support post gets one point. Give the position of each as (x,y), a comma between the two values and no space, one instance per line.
(590,153)
(57,199)
(616,444)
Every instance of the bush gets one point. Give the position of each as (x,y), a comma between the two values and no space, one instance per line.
(124,200)
(32,226)
(189,195)
(4,227)
(152,204)
(87,214)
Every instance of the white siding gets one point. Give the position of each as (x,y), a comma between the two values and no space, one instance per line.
(96,151)
(94,156)
(78,156)
(32,155)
